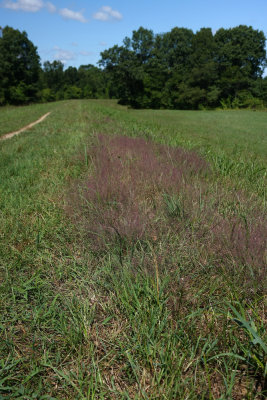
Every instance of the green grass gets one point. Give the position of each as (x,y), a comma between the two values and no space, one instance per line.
(159,319)
(236,131)
(235,142)
(233,131)
(14,118)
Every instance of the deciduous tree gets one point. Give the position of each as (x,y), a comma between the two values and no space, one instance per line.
(19,67)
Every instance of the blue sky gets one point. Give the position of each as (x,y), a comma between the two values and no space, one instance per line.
(75,32)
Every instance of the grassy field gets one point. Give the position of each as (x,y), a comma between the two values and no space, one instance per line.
(234,141)
(132,254)
(13,118)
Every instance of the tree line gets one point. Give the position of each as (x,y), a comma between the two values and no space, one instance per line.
(179,69)
(23,80)
(186,70)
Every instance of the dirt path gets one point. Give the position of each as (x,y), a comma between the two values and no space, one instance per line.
(11,134)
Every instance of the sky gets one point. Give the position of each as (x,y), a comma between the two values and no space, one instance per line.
(76,32)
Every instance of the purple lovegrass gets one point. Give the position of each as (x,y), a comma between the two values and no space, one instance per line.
(242,240)
(142,190)
(130,177)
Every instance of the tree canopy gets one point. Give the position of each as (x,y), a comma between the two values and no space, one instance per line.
(178,69)
(19,67)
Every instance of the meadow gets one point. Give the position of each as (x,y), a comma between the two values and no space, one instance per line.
(13,118)
(132,253)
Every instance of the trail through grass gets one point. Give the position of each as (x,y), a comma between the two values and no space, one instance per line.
(15,118)
(25,128)
(171,306)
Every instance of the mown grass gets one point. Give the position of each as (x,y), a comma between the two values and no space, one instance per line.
(169,311)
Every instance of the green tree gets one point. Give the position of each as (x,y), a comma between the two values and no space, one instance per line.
(174,48)
(241,58)
(47,95)
(53,75)
(72,92)
(91,80)
(71,76)
(128,65)
(19,67)
(180,69)
(142,44)
(125,72)
(204,69)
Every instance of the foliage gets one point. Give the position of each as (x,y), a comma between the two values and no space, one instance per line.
(180,69)
(53,75)
(22,80)
(19,67)
(86,82)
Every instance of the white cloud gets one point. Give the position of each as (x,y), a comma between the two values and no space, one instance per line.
(106,13)
(102,43)
(37,5)
(66,56)
(63,55)
(24,5)
(50,7)
(69,14)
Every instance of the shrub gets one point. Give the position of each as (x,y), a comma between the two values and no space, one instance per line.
(47,95)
